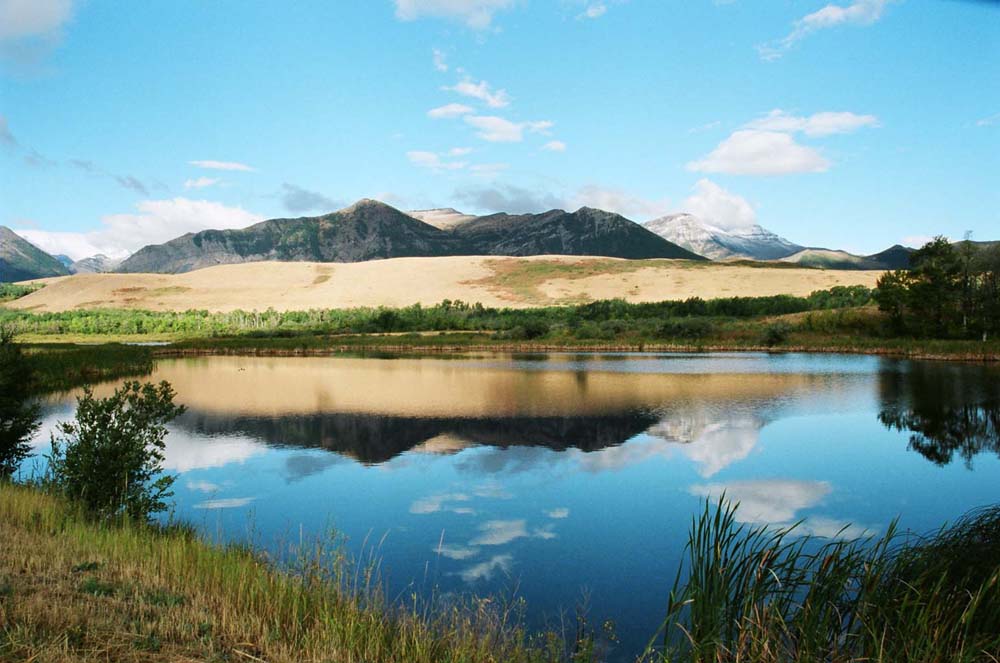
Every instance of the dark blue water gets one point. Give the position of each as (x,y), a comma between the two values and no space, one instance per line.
(569,479)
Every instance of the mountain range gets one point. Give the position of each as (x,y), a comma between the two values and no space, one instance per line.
(370,230)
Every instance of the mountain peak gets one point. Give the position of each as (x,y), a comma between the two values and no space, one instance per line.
(368,204)
(693,233)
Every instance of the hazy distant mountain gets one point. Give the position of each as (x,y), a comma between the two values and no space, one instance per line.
(96,264)
(895,257)
(444,218)
(694,234)
(366,230)
(65,260)
(586,231)
(21,260)
(370,230)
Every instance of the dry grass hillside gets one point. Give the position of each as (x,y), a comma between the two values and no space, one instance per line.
(493,281)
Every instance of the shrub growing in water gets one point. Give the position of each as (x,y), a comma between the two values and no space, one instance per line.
(18,417)
(111,457)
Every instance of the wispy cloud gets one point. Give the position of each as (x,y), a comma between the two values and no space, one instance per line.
(818,124)
(433,161)
(989,121)
(476,14)
(495,129)
(222,165)
(500,532)
(486,570)
(436,503)
(859,12)
(440,62)
(483,91)
(554,146)
(227,503)
(449,111)
(558,514)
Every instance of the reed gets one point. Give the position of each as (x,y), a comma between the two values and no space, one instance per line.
(767,595)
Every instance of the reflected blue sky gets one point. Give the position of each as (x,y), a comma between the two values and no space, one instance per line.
(561,475)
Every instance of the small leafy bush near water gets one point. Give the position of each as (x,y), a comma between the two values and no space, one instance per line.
(110,458)
(767,595)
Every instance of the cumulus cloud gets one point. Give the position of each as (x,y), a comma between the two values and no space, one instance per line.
(200,182)
(222,165)
(859,12)
(297,199)
(30,29)
(767,501)
(719,207)
(154,222)
(433,161)
(507,198)
(818,124)
(554,146)
(449,111)
(482,91)
(476,14)
(500,130)
(753,152)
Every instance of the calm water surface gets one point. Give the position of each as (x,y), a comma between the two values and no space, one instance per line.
(570,478)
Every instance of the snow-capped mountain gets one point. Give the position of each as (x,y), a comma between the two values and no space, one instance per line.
(96,264)
(753,242)
(444,218)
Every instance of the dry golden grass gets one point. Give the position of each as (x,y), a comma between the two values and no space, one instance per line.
(492,281)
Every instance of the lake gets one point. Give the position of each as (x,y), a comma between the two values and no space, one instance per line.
(568,479)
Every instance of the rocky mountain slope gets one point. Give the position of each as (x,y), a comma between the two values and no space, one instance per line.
(21,260)
(367,230)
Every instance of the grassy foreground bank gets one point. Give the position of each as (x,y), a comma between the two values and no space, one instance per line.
(75,590)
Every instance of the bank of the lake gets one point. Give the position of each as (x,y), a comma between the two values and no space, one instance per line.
(72,589)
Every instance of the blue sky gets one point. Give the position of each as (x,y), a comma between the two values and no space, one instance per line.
(855,125)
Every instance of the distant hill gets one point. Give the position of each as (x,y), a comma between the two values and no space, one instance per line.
(586,231)
(96,264)
(21,260)
(895,257)
(367,230)
(371,230)
(701,237)
(831,259)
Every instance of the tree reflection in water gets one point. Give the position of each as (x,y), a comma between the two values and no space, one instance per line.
(948,409)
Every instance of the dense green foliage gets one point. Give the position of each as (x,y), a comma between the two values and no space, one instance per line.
(768,595)
(949,292)
(602,319)
(11,291)
(110,458)
(18,416)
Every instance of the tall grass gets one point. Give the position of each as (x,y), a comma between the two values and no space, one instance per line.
(80,590)
(766,595)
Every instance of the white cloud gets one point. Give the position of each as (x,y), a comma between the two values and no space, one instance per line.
(767,501)
(554,146)
(200,183)
(21,19)
(222,165)
(818,124)
(459,151)
(433,161)
(485,570)
(753,152)
(482,91)
(477,14)
(156,221)
(440,63)
(859,12)
(499,532)
(435,503)
(449,111)
(227,503)
(456,552)
(594,10)
(204,486)
(719,207)
(989,121)
(558,514)
(619,201)
(499,130)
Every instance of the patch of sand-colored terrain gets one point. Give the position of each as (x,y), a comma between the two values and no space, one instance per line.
(492,281)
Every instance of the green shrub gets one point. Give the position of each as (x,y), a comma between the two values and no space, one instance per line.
(110,458)
(775,333)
